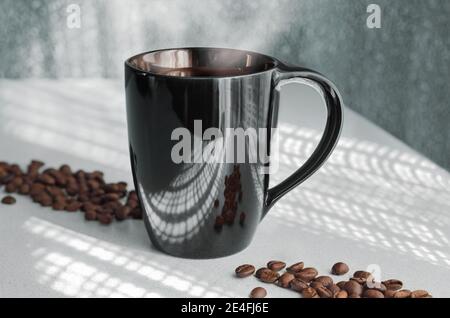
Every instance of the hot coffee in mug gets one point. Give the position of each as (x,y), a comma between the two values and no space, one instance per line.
(201,125)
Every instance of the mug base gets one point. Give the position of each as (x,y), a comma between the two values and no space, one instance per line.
(198,252)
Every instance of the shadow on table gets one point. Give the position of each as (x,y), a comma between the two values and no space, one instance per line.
(371,194)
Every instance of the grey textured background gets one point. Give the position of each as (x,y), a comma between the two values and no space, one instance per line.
(398,76)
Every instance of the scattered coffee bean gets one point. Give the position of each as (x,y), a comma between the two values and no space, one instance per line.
(62,189)
(276,265)
(389,293)
(341,294)
(309,293)
(324,292)
(420,294)
(104,218)
(315,285)
(341,284)
(90,215)
(9,200)
(298,285)
(295,267)
(285,280)
(307,274)
(404,293)
(326,281)
(24,189)
(393,284)
(359,280)
(244,270)
(372,293)
(353,288)
(267,275)
(258,292)
(362,274)
(334,289)
(339,269)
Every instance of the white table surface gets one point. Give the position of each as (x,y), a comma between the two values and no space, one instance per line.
(375,203)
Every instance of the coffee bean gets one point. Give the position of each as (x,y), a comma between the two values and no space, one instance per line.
(72,206)
(359,280)
(66,169)
(46,179)
(341,284)
(404,293)
(244,270)
(7,178)
(24,189)
(393,284)
(307,274)
(17,181)
(10,187)
(362,274)
(122,213)
(334,288)
(353,288)
(266,275)
(104,219)
(219,222)
(44,199)
(341,294)
(15,170)
(372,293)
(59,203)
(309,293)
(242,218)
(295,267)
(316,285)
(258,292)
(37,188)
(285,280)
(298,284)
(389,293)
(420,294)
(90,215)
(54,191)
(136,213)
(111,197)
(9,200)
(276,265)
(339,269)
(324,292)
(326,281)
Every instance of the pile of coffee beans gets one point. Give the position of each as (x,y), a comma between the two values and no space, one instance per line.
(65,190)
(307,282)
(233,195)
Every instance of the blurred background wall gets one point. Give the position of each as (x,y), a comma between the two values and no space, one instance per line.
(397,76)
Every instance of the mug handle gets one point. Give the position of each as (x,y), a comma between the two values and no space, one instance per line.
(285,74)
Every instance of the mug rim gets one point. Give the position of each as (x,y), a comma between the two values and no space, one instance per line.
(275,63)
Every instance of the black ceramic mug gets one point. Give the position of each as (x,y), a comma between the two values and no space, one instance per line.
(210,209)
